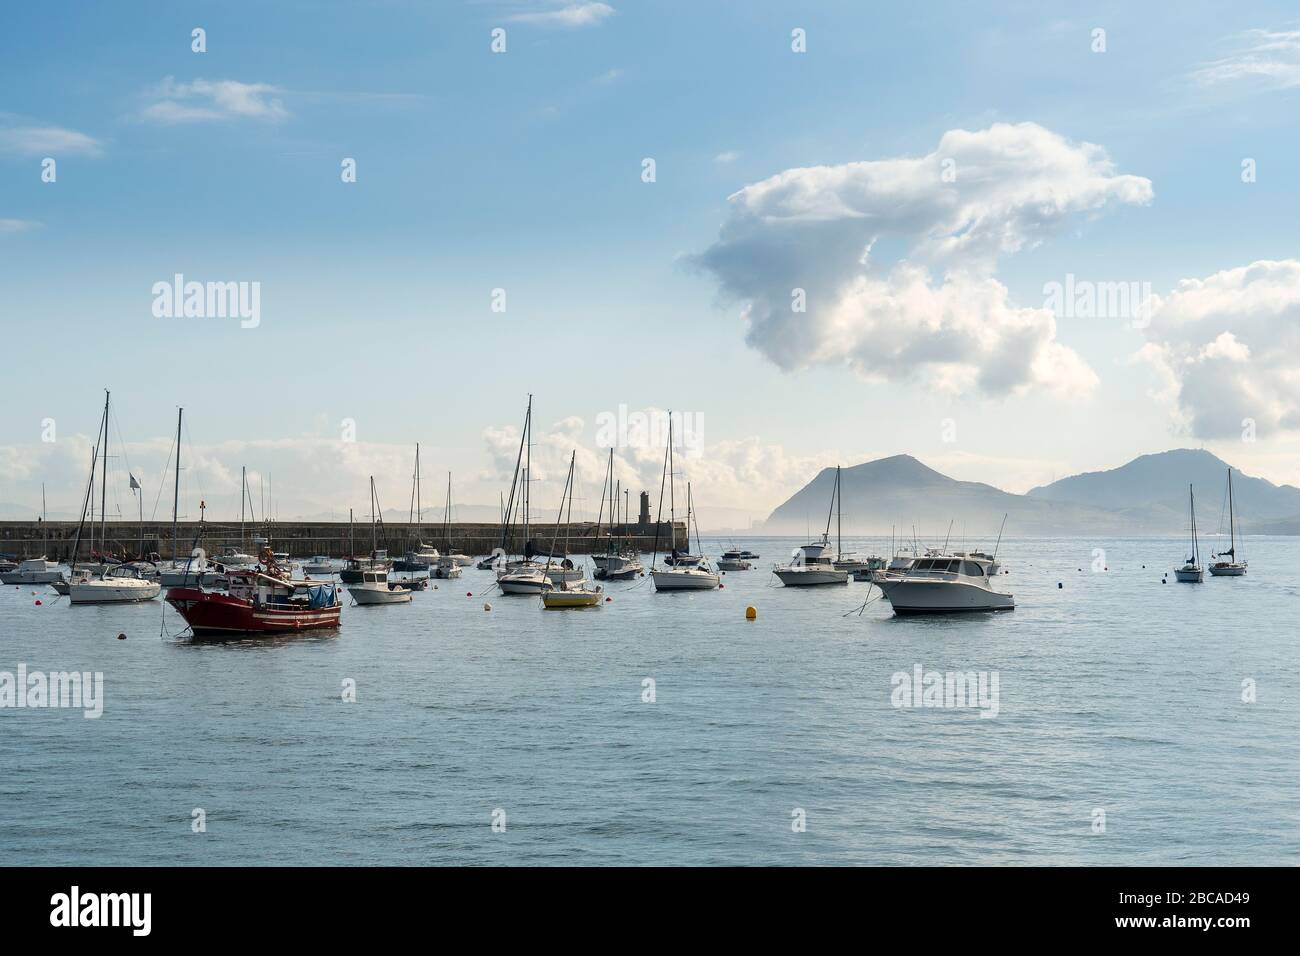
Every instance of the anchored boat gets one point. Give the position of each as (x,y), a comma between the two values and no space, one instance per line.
(259,602)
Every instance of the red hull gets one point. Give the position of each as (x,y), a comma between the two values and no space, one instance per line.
(207,612)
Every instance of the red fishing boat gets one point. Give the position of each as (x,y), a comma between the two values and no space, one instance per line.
(261,600)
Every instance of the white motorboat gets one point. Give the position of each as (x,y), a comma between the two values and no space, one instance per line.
(123,584)
(814,563)
(33,571)
(319,564)
(943,584)
(733,560)
(1232,568)
(1191,572)
(189,574)
(446,568)
(375,589)
(618,567)
(234,558)
(530,579)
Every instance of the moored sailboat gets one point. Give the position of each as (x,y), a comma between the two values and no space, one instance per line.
(1191,572)
(1232,568)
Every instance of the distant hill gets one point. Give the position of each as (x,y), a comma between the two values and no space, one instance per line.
(902,491)
(1146,496)
(1152,489)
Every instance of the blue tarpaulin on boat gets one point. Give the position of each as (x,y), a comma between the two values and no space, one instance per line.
(322,596)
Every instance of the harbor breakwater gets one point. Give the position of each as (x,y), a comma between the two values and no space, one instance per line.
(54,539)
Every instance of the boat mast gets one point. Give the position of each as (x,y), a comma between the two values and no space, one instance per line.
(1232,520)
(176,491)
(374,529)
(446,516)
(45,527)
(243,489)
(550,552)
(103,484)
(659,512)
(1196,558)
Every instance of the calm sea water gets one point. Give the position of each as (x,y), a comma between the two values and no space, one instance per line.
(1116,693)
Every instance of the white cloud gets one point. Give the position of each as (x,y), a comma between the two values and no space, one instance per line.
(47,141)
(572,15)
(1227,348)
(955,211)
(208,100)
(1270,58)
(730,156)
(9,227)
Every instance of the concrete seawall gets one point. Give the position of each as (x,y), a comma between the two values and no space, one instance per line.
(304,539)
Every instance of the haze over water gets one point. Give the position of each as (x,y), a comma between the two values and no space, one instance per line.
(1116,692)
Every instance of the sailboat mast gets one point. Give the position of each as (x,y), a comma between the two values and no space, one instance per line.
(45,527)
(374,530)
(103,483)
(176,490)
(839,513)
(243,490)
(528,464)
(1232,520)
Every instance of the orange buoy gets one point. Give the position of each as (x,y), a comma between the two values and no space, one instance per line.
(751,613)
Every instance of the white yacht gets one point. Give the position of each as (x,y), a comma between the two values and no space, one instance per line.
(1232,568)
(319,564)
(524,577)
(1191,572)
(941,584)
(733,560)
(122,584)
(685,572)
(33,571)
(234,558)
(446,568)
(375,589)
(815,563)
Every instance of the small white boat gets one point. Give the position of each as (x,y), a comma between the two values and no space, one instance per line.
(734,561)
(234,558)
(572,595)
(617,567)
(33,571)
(1232,568)
(319,564)
(942,585)
(523,578)
(1191,572)
(814,563)
(375,589)
(123,584)
(446,568)
(686,578)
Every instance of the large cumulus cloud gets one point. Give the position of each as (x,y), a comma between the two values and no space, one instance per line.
(897,258)
(1228,349)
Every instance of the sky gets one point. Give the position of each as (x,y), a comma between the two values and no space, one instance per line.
(1015,240)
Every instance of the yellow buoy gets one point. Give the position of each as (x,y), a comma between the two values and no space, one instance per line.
(751,613)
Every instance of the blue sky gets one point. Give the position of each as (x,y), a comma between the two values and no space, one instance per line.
(522,171)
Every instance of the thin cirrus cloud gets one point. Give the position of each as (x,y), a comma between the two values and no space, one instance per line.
(1008,187)
(47,141)
(1270,58)
(571,15)
(200,101)
(1227,350)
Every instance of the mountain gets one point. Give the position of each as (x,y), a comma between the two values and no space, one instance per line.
(1146,496)
(902,492)
(1152,489)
